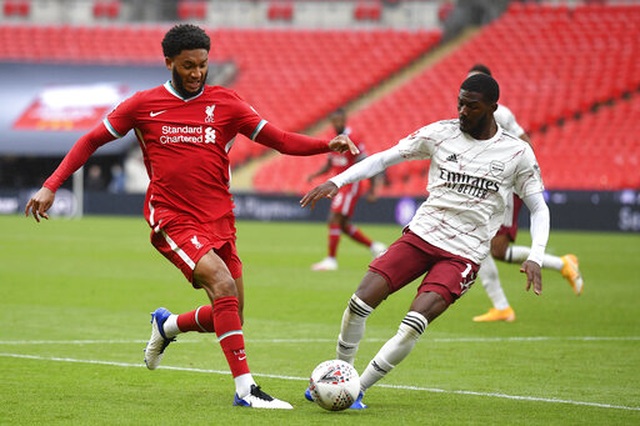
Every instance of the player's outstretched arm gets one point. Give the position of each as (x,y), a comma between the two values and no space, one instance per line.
(38,205)
(540,224)
(75,158)
(291,143)
(326,190)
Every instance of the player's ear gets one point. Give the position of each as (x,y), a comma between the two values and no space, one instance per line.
(168,62)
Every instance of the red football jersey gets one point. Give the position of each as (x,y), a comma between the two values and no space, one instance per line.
(185,144)
(341,162)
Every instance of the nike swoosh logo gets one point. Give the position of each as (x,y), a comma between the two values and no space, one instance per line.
(153,114)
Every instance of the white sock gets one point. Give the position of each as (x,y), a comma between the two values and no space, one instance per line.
(352,329)
(243,384)
(395,350)
(518,254)
(170,326)
(490,278)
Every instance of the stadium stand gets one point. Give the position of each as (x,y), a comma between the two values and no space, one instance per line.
(538,52)
(314,71)
(566,72)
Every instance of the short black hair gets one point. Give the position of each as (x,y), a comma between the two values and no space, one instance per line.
(480,68)
(184,37)
(485,84)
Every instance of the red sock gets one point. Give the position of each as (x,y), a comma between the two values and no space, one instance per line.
(200,320)
(229,332)
(334,239)
(358,236)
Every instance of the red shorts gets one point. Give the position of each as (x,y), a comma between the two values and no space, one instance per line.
(410,256)
(184,241)
(344,202)
(512,230)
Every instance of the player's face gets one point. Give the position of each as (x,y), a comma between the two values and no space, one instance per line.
(474,113)
(189,71)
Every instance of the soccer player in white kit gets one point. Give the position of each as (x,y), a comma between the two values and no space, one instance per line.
(475,167)
(501,245)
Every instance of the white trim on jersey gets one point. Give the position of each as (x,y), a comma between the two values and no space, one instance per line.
(259,127)
(110,129)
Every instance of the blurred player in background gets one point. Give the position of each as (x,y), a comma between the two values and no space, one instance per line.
(501,245)
(475,168)
(185,129)
(344,203)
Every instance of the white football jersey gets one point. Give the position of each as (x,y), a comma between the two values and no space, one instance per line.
(470,182)
(505,118)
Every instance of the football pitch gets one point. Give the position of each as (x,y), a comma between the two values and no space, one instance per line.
(76,295)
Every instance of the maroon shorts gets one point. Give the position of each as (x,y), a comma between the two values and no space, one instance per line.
(409,257)
(512,231)
(344,202)
(184,241)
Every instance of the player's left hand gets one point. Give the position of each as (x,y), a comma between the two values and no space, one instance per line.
(326,190)
(534,276)
(342,144)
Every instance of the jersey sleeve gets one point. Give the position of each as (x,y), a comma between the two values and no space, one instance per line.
(528,179)
(78,155)
(248,122)
(122,118)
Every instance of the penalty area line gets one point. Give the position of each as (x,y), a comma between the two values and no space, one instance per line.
(281,377)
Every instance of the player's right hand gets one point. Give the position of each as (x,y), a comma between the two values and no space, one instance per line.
(40,203)
(326,190)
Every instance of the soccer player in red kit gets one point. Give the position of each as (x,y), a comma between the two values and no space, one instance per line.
(344,203)
(185,129)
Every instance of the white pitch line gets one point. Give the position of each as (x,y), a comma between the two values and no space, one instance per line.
(276,376)
(332,340)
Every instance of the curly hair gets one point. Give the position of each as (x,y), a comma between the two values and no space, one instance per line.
(184,37)
(485,84)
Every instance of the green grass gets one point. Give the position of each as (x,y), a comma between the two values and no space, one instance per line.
(76,295)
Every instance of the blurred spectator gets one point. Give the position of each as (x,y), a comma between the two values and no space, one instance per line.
(117,184)
(95,180)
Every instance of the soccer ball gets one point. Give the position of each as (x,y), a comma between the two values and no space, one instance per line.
(334,385)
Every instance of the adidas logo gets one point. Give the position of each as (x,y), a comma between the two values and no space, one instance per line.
(453,157)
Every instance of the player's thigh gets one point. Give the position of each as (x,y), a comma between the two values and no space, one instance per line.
(212,274)
(450,277)
(404,261)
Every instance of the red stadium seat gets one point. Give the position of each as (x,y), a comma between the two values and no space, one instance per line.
(16,8)
(368,11)
(192,9)
(106,9)
(279,11)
